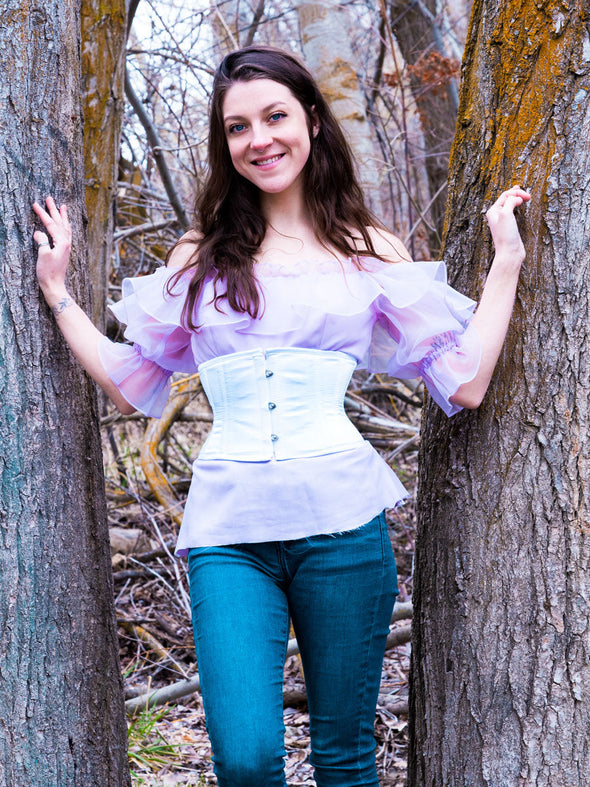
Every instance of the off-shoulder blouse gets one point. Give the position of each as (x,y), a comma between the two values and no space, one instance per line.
(399,318)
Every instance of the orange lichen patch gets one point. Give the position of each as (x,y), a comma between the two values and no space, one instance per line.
(344,74)
(532,72)
(515,75)
(309,14)
(340,83)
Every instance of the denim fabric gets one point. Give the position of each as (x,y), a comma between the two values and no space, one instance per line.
(339,591)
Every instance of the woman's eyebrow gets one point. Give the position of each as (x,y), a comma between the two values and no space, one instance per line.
(264,110)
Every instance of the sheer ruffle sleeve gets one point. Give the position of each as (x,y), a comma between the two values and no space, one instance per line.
(399,318)
(423,330)
(141,371)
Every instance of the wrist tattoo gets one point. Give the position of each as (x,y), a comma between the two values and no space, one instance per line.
(62,305)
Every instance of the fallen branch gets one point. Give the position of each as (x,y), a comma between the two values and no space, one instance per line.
(156,430)
(148,226)
(183,688)
(175,691)
(399,636)
(397,707)
(156,648)
(403,611)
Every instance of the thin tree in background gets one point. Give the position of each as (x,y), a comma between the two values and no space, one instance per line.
(433,78)
(501,654)
(327,51)
(62,717)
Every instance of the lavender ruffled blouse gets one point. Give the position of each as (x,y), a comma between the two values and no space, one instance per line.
(402,319)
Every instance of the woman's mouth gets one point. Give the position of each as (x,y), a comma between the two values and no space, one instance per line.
(268,161)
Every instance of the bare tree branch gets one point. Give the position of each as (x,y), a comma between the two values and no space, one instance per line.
(258,14)
(157,150)
(148,226)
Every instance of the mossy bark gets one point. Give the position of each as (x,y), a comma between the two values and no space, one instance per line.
(62,717)
(501,652)
(103,28)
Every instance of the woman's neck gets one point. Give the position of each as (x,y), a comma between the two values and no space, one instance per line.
(290,233)
(286,212)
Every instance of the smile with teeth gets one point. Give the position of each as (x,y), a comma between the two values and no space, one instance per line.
(261,162)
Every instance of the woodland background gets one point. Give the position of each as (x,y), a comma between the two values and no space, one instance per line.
(398,105)
(104,105)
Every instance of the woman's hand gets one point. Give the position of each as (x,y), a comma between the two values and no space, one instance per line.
(502,223)
(53,259)
(497,300)
(78,330)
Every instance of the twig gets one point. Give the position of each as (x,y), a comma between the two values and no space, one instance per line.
(147,226)
(145,557)
(401,448)
(148,638)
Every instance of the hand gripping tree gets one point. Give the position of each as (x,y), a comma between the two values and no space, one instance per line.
(61,709)
(501,662)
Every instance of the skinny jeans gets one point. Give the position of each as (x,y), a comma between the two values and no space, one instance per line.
(339,591)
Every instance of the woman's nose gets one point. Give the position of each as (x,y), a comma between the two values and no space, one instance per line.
(261,138)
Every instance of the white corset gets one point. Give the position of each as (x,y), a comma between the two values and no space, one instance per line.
(281,404)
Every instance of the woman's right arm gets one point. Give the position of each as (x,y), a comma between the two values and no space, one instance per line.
(79,332)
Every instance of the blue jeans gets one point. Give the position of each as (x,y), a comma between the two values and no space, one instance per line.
(339,591)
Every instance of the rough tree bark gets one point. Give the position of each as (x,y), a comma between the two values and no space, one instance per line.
(419,37)
(501,656)
(325,37)
(62,717)
(103,68)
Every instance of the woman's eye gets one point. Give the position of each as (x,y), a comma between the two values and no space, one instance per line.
(277,116)
(236,128)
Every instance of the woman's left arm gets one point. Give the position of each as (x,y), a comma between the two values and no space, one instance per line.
(493,314)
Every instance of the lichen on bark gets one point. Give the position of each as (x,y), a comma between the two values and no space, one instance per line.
(501,650)
(62,720)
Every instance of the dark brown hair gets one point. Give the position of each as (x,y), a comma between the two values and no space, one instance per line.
(228,216)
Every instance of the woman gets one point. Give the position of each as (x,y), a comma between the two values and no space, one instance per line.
(286,284)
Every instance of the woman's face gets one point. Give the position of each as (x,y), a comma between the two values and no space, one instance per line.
(267,134)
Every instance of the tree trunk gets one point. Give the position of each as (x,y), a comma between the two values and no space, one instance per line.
(327,51)
(501,657)
(432,81)
(61,707)
(103,68)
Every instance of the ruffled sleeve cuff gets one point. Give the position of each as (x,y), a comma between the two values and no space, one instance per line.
(160,345)
(142,382)
(453,359)
(423,330)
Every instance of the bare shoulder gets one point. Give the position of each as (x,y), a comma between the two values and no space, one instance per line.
(388,245)
(184,249)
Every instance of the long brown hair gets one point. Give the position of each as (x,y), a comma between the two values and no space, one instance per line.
(227,211)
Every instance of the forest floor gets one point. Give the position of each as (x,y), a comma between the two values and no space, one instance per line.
(168,745)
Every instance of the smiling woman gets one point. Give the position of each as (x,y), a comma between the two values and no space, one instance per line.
(283,288)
